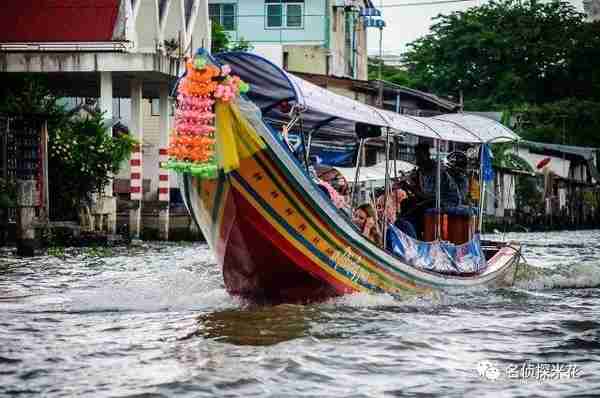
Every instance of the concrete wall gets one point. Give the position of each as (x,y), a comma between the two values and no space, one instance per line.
(342,55)
(308,59)
(147,27)
(272,52)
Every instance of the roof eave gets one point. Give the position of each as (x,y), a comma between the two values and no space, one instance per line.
(84,46)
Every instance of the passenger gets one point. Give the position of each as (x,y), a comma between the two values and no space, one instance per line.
(338,200)
(364,218)
(457,169)
(393,212)
(425,181)
(424,176)
(405,225)
(394,202)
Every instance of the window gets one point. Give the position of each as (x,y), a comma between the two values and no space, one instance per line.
(223,14)
(280,14)
(155,107)
(294,16)
(274,15)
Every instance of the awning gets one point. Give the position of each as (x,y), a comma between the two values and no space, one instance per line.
(376,172)
(274,90)
(488,130)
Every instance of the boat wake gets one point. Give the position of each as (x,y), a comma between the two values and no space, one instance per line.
(568,276)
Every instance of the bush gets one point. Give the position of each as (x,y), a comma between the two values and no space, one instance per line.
(82,156)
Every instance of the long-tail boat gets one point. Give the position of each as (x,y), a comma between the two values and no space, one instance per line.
(273,231)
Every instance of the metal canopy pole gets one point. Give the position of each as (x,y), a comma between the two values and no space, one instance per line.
(356,175)
(481,189)
(438,193)
(387,183)
(438,196)
(380,99)
(304,145)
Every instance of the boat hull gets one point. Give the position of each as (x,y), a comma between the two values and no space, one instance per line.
(278,239)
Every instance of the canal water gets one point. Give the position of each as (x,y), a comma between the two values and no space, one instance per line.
(155,320)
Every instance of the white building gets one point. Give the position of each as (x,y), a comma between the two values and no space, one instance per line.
(325,37)
(592,10)
(110,49)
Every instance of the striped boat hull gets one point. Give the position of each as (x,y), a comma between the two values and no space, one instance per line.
(278,239)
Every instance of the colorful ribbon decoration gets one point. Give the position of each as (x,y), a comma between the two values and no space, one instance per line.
(193,148)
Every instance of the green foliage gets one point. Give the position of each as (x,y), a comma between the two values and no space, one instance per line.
(220,41)
(241,45)
(528,193)
(509,52)
(570,121)
(540,60)
(389,73)
(98,251)
(82,155)
(26,94)
(8,194)
(57,251)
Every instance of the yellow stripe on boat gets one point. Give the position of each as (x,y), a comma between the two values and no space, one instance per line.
(230,125)
(298,245)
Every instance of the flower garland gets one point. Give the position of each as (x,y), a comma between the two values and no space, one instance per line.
(192,146)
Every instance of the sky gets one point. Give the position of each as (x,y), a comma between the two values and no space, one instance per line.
(405,24)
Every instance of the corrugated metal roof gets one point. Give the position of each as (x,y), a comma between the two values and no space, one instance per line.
(583,151)
(58,20)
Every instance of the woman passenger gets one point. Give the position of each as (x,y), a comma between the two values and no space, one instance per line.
(364,218)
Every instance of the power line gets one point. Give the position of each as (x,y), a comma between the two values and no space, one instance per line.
(425,3)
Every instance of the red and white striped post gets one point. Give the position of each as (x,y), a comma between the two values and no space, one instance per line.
(135,164)
(163,176)
(163,195)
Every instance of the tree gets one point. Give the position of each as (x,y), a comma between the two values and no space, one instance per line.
(389,73)
(571,121)
(222,43)
(219,39)
(507,52)
(81,153)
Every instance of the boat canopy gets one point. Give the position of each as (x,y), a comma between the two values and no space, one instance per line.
(275,91)
(375,172)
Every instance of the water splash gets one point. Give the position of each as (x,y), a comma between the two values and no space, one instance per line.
(581,275)
(149,279)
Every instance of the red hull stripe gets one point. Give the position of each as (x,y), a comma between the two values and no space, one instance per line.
(136,176)
(287,250)
(393,272)
(163,177)
(134,189)
(135,162)
(301,240)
